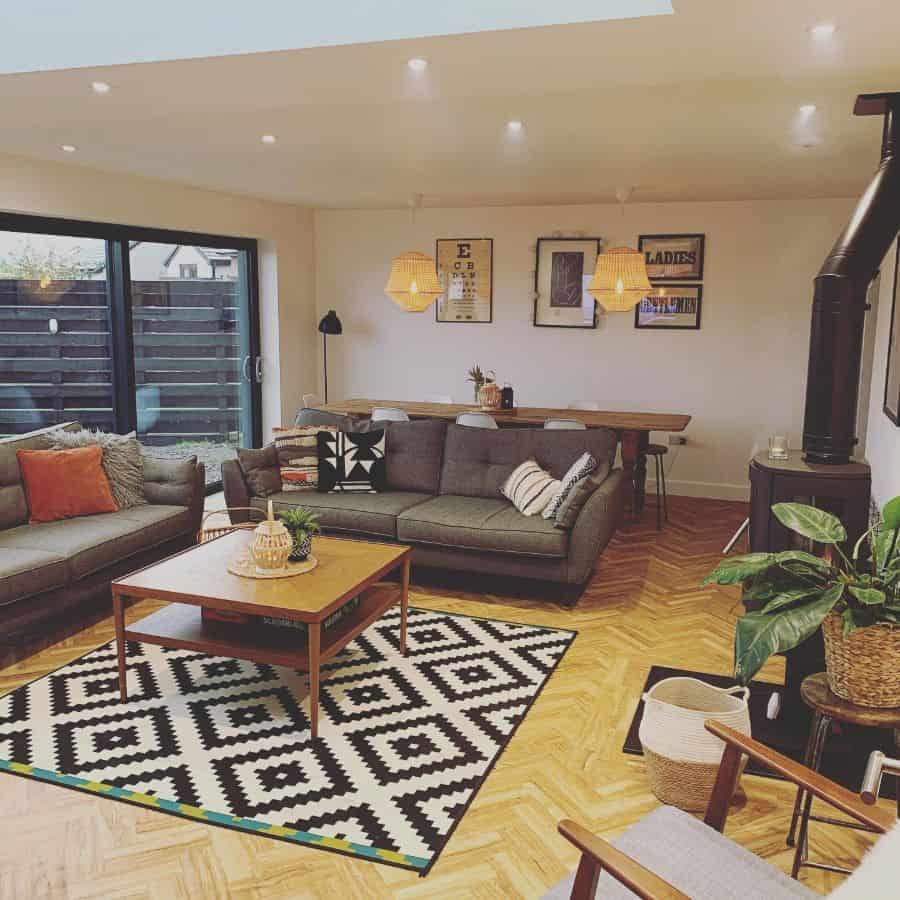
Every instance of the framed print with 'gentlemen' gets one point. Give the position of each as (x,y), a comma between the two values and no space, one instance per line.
(562,271)
(675,306)
(465,267)
(673,257)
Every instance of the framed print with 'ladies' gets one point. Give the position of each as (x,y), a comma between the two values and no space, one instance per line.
(675,306)
(465,267)
(562,271)
(673,257)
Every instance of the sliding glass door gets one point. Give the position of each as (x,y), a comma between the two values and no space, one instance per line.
(130,329)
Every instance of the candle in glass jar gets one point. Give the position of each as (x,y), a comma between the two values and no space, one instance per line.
(778,447)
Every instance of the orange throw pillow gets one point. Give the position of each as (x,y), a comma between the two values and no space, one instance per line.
(60,484)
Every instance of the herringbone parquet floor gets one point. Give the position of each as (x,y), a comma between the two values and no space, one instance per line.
(643,607)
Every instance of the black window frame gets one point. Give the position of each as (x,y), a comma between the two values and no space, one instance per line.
(118,239)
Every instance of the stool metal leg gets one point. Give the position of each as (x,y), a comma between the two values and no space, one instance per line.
(658,510)
(801,854)
(807,761)
(665,496)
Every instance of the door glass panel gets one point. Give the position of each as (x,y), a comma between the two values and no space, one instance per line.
(193,368)
(55,348)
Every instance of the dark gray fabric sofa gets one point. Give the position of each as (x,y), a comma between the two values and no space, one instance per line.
(443,499)
(51,574)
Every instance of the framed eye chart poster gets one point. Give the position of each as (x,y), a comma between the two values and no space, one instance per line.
(465,267)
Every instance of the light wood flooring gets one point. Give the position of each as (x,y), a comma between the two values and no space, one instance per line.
(644,606)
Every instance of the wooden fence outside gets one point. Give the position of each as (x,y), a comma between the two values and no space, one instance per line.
(186,349)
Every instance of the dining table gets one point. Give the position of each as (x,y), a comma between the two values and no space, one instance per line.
(632,428)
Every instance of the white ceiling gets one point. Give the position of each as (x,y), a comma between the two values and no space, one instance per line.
(703,104)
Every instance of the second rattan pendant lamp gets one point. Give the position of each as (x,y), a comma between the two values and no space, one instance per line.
(413,283)
(620,280)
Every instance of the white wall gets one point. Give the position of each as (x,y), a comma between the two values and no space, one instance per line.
(285,234)
(741,376)
(883,436)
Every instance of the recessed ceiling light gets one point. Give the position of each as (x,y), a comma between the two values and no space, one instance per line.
(823,31)
(417,64)
(67,148)
(268,139)
(100,87)
(808,109)
(514,125)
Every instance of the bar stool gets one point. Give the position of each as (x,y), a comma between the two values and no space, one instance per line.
(658,451)
(827,707)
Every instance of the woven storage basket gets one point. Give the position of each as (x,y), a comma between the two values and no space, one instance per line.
(863,668)
(682,756)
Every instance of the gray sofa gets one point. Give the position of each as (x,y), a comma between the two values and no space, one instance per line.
(53,573)
(443,499)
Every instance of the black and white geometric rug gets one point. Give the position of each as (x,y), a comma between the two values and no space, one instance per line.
(404,742)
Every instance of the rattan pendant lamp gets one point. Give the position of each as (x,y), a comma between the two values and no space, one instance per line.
(413,283)
(620,279)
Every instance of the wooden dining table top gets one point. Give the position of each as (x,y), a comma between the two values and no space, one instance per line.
(521,415)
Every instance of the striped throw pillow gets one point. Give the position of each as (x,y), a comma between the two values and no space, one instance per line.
(298,456)
(529,488)
(581,468)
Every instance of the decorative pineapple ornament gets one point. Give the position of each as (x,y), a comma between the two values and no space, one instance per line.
(272,545)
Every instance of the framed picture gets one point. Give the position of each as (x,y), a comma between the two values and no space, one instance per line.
(892,372)
(465,267)
(672,306)
(673,257)
(563,269)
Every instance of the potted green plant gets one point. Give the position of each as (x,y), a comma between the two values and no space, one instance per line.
(302,524)
(855,600)
(477,378)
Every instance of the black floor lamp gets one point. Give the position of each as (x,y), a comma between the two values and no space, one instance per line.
(330,324)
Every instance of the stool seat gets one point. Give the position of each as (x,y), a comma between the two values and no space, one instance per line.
(818,696)
(657,449)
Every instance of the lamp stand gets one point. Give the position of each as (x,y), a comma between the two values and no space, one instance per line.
(325,362)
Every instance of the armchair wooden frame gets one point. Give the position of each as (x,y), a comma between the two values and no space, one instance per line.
(598,855)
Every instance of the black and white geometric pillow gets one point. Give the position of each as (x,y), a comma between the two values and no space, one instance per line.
(351,462)
(581,468)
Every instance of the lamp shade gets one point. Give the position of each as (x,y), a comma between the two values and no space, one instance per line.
(620,280)
(413,283)
(330,323)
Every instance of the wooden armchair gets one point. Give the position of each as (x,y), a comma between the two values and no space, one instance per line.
(598,856)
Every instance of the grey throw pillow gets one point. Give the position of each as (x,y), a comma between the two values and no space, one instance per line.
(261,470)
(581,492)
(122,461)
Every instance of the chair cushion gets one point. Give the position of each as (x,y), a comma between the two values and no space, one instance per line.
(308,416)
(27,572)
(363,513)
(696,860)
(477,523)
(91,543)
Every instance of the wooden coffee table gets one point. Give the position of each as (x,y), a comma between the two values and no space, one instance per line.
(198,577)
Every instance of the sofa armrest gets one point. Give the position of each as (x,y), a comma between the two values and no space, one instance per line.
(176,482)
(595,525)
(237,493)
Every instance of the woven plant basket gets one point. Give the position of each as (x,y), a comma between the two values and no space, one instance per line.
(682,756)
(863,668)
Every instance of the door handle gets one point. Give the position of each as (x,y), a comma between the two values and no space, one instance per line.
(259,369)
(244,368)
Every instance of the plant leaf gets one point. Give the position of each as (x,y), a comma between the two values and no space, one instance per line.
(758,636)
(891,514)
(810,522)
(802,556)
(737,568)
(868,596)
(881,545)
(786,598)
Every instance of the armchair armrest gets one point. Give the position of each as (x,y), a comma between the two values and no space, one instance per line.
(818,785)
(598,856)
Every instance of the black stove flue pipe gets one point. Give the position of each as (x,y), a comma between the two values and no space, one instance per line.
(839,301)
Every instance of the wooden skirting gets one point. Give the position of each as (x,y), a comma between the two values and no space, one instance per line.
(642,607)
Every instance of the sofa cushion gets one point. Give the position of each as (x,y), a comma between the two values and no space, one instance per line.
(261,470)
(479,523)
(170,482)
(374,514)
(415,451)
(478,460)
(27,572)
(91,543)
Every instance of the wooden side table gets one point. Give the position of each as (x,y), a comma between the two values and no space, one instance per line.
(827,707)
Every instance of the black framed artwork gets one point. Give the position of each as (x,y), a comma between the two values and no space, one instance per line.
(673,257)
(674,307)
(563,269)
(892,369)
(465,267)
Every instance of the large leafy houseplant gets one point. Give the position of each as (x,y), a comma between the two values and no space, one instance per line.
(789,594)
